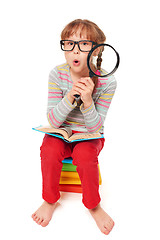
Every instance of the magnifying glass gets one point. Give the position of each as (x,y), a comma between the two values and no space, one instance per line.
(102,61)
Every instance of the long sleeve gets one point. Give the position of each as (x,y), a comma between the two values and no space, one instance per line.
(95,115)
(58,106)
(60,111)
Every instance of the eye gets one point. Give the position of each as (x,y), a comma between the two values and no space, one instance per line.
(69,43)
(85,43)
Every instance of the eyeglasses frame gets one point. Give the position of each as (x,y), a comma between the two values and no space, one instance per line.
(77,42)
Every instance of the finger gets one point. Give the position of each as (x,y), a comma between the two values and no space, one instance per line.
(81,86)
(87,81)
(82,91)
(85,87)
(77,91)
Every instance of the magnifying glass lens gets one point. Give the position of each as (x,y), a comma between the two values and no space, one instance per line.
(103,60)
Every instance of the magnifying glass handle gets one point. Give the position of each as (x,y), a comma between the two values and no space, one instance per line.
(76,95)
(77,98)
(91,74)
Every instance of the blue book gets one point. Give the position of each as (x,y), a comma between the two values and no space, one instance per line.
(67,135)
(68,160)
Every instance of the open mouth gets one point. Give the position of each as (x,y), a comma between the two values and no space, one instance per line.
(76,62)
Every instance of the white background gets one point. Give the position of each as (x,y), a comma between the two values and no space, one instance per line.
(29,49)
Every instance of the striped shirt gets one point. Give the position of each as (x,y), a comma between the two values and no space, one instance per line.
(61,112)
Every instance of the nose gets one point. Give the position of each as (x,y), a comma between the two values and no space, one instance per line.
(76,49)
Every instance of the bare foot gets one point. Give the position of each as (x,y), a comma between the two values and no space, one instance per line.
(44,214)
(103,220)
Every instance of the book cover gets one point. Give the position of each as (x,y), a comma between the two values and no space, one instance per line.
(66,134)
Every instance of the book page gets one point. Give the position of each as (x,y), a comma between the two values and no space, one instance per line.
(66,132)
(77,136)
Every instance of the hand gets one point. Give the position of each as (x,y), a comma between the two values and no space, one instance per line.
(84,87)
(71,94)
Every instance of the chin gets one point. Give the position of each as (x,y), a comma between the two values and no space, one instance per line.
(79,69)
(76,69)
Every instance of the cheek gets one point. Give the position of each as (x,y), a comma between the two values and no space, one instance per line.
(84,58)
(67,57)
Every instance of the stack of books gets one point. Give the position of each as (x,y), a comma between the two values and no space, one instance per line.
(69,180)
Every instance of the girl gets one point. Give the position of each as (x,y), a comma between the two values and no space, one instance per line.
(86,115)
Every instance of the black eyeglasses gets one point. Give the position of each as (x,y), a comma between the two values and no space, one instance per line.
(83,45)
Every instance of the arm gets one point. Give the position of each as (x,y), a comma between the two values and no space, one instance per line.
(58,106)
(95,114)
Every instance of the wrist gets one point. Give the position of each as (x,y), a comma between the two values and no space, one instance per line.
(70,98)
(87,105)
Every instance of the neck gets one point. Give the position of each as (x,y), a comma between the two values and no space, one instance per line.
(77,75)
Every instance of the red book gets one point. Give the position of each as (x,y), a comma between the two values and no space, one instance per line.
(70,188)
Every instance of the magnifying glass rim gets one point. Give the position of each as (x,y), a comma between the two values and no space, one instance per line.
(90,53)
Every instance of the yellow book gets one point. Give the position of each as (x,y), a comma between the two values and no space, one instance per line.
(70,180)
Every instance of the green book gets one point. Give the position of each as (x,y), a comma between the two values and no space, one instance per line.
(67,167)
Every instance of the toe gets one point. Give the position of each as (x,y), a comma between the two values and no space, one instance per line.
(105,231)
(39,221)
(111,225)
(44,223)
(107,228)
(35,218)
(33,215)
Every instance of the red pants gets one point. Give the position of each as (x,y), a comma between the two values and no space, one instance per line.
(85,157)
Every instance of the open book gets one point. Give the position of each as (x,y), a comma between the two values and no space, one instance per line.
(66,134)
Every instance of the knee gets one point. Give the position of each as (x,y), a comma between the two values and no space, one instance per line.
(85,155)
(52,148)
